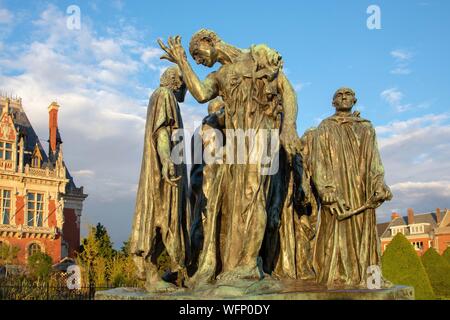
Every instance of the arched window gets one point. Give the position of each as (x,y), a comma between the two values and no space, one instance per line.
(34,248)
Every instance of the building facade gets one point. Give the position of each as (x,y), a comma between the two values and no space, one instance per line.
(424,231)
(40,205)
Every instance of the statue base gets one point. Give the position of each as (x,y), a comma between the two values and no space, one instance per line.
(260,290)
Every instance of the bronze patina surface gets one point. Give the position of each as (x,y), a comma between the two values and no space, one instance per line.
(349,177)
(257,96)
(305,231)
(161,214)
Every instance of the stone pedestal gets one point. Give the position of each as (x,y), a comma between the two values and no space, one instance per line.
(260,290)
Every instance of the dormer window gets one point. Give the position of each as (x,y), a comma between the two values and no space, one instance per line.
(36,162)
(396,230)
(417,229)
(5,150)
(36,158)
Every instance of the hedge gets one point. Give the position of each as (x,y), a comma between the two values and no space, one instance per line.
(446,255)
(438,271)
(402,266)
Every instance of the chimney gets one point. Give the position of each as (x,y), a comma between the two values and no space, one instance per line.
(6,107)
(438,216)
(410,216)
(394,216)
(53,125)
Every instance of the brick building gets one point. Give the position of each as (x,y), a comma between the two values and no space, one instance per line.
(40,205)
(424,230)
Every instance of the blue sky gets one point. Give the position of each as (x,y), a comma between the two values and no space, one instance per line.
(103,74)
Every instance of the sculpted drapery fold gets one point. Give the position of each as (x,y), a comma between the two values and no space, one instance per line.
(161,214)
(347,164)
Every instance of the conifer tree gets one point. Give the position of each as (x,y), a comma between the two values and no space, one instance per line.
(446,255)
(402,266)
(438,271)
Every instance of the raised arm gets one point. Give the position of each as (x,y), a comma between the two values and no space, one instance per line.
(201,91)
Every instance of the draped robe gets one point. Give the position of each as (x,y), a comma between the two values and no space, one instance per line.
(346,162)
(161,213)
(236,200)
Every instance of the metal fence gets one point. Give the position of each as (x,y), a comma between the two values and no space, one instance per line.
(46,291)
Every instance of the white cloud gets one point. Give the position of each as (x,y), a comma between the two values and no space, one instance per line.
(423,189)
(102,83)
(393,96)
(416,155)
(401,55)
(401,70)
(403,59)
(83,173)
(407,126)
(149,55)
(301,85)
(6,16)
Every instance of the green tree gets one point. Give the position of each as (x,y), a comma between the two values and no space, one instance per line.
(8,254)
(40,265)
(446,255)
(104,241)
(401,265)
(126,247)
(101,264)
(438,271)
(88,257)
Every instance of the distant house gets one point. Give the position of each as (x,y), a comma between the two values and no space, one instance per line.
(40,205)
(424,231)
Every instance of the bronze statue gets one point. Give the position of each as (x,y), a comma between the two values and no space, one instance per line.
(207,142)
(313,218)
(287,250)
(349,178)
(161,215)
(257,97)
(309,200)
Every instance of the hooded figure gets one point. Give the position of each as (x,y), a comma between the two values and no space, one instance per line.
(161,215)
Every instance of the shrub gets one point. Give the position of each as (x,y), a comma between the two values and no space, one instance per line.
(438,271)
(446,255)
(40,265)
(401,265)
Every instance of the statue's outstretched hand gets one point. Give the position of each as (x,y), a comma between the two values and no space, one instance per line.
(168,173)
(174,50)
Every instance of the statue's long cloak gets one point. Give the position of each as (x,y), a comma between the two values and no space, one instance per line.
(287,251)
(158,204)
(346,161)
(236,212)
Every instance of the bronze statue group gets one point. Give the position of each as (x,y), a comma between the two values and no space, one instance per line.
(312,219)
